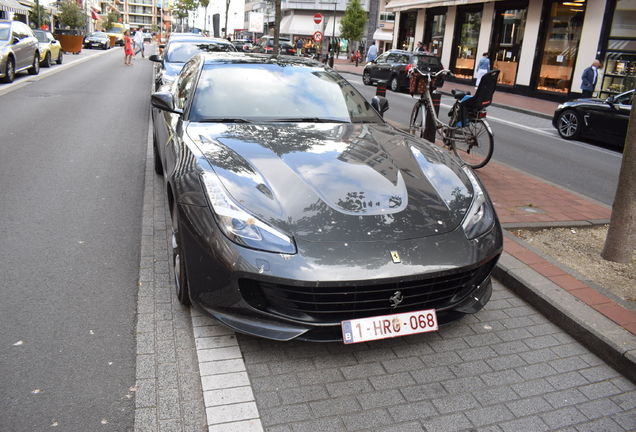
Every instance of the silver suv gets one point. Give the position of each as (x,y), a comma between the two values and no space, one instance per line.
(19,50)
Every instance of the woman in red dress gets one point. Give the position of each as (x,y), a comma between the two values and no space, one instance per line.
(128,51)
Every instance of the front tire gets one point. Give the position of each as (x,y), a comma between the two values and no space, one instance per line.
(35,67)
(9,72)
(60,57)
(178,260)
(474,144)
(394,85)
(155,153)
(47,60)
(569,125)
(366,78)
(417,124)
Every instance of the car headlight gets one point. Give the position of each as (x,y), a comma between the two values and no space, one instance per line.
(480,216)
(241,227)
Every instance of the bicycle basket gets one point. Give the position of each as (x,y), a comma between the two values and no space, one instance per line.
(418,83)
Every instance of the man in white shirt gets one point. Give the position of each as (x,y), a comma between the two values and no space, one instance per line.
(372,53)
(139,42)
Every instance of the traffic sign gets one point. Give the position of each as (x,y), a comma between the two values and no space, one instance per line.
(317,36)
(318,18)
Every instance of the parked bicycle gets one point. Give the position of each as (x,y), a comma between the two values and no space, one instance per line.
(468,134)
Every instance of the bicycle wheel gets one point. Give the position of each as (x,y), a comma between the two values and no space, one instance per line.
(473,143)
(418,120)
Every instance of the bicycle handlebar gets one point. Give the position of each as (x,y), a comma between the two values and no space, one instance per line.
(429,73)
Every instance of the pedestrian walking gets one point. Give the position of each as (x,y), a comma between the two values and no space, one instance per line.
(483,67)
(372,53)
(299,47)
(589,78)
(419,48)
(128,50)
(139,42)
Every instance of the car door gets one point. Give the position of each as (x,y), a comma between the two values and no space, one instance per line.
(379,69)
(20,48)
(608,122)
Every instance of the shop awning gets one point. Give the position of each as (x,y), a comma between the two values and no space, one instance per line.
(298,25)
(383,35)
(95,14)
(401,5)
(329,26)
(13,6)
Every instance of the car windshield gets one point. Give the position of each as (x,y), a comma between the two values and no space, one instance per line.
(41,36)
(4,31)
(181,52)
(277,92)
(98,35)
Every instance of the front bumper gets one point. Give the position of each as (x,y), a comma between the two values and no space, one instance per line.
(306,296)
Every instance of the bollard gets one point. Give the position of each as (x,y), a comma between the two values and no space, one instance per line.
(381,89)
(429,128)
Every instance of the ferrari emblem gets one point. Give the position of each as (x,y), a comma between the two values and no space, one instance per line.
(396,299)
(395,256)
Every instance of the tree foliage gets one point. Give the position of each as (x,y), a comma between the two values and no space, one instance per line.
(71,14)
(621,236)
(182,8)
(44,16)
(111,18)
(353,22)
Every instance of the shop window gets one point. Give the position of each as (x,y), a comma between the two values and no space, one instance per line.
(434,32)
(466,51)
(563,33)
(620,59)
(509,27)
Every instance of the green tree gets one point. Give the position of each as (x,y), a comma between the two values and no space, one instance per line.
(42,18)
(353,23)
(71,14)
(204,4)
(111,18)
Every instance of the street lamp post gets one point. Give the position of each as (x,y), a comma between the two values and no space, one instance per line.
(333,36)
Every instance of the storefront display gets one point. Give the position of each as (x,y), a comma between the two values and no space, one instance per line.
(466,52)
(508,33)
(562,36)
(620,58)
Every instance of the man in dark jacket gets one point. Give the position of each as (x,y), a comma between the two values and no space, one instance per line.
(589,77)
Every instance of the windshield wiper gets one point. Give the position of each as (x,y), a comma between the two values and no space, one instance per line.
(225,120)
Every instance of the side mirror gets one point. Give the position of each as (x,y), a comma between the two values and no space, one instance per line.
(380,103)
(610,100)
(164,101)
(155,58)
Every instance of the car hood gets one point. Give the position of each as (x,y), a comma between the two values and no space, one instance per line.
(337,182)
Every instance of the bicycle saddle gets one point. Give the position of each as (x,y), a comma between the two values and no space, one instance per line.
(459,94)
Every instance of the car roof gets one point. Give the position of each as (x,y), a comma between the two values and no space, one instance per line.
(200,39)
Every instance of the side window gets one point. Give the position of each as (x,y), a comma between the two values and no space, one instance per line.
(185,83)
(393,58)
(383,58)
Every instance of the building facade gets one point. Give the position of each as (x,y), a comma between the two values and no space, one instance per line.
(541,47)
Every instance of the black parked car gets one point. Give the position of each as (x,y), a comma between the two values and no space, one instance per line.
(178,50)
(265,45)
(391,67)
(298,212)
(602,119)
(97,40)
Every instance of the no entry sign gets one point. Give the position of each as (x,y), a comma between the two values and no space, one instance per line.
(317,36)
(318,18)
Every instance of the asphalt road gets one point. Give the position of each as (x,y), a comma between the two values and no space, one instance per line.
(72,163)
(531,144)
